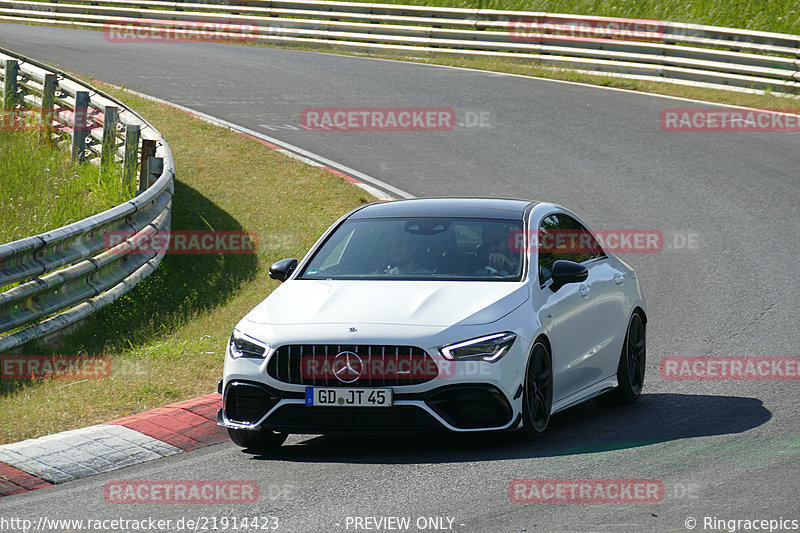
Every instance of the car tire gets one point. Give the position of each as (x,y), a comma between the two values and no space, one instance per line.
(537,396)
(257,439)
(632,363)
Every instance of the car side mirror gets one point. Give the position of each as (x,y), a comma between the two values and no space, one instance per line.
(565,272)
(282,269)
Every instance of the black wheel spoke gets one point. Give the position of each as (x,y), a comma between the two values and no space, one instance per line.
(543,380)
(637,371)
(541,403)
(532,403)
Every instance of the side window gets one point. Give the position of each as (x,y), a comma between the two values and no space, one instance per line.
(562,237)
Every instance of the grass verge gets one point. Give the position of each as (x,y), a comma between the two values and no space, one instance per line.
(41,189)
(166,338)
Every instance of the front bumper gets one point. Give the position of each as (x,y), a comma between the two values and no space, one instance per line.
(455,407)
(459,396)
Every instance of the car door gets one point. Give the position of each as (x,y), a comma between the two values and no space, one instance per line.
(568,314)
(611,305)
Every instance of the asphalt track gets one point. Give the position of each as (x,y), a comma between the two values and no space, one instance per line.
(723,449)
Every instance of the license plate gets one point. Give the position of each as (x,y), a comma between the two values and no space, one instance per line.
(340,397)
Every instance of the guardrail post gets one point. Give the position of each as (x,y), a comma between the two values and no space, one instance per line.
(48,104)
(110,115)
(148,151)
(155,167)
(79,126)
(10,84)
(130,163)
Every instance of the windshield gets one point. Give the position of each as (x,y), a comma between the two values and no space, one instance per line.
(421,249)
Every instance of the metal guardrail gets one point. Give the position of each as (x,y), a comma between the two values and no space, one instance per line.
(670,51)
(57,278)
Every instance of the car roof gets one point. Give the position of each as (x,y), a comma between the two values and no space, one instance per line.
(497,208)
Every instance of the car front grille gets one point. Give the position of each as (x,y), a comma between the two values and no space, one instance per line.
(356,365)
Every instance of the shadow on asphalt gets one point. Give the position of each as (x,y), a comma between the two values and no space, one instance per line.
(588,428)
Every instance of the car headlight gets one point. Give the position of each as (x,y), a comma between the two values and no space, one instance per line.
(240,345)
(489,348)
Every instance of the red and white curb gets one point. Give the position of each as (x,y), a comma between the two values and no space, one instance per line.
(175,428)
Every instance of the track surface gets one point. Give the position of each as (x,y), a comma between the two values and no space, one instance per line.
(722,449)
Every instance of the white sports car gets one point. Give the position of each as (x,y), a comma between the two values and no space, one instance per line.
(464,314)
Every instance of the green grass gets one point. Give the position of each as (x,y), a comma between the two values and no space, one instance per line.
(167,337)
(780,16)
(41,189)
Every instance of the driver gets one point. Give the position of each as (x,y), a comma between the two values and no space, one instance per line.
(500,259)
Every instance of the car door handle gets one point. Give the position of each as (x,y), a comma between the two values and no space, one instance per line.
(619,279)
(583,290)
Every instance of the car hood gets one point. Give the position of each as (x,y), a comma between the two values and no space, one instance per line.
(423,303)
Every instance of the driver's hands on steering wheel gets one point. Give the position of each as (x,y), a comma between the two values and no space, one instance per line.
(499,261)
